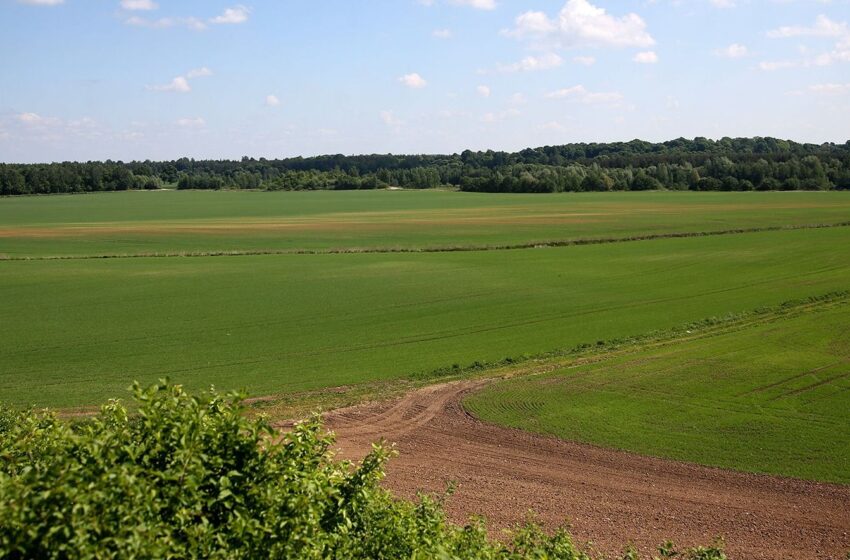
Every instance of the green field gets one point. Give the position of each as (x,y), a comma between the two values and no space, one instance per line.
(80,330)
(168,222)
(773,397)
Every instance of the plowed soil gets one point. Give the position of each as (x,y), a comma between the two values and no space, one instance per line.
(611,498)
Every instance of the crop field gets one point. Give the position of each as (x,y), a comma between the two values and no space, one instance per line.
(167,222)
(78,331)
(771,397)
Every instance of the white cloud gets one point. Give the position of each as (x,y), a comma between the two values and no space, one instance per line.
(585,60)
(648,57)
(164,23)
(199,73)
(139,5)
(531,63)
(41,2)
(477,4)
(830,89)
(34,119)
(272,101)
(442,33)
(823,27)
(179,84)
(236,14)
(734,50)
(581,94)
(414,81)
(533,23)
(30,118)
(187,122)
(483,91)
(580,23)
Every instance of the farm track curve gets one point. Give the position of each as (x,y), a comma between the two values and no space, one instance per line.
(609,497)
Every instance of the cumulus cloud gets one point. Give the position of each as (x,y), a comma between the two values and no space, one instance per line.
(585,60)
(41,2)
(823,27)
(47,128)
(143,5)
(483,91)
(581,94)
(234,15)
(580,23)
(734,50)
(531,63)
(272,101)
(647,57)
(180,84)
(414,81)
(442,33)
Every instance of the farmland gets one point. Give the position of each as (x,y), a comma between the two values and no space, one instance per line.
(79,331)
(769,397)
(161,222)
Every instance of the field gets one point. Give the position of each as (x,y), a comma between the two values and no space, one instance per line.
(770,397)
(134,223)
(79,330)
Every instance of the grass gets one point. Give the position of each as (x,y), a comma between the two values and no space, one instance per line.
(770,397)
(77,332)
(197,222)
(766,394)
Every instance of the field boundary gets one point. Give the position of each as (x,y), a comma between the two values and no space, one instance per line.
(433,249)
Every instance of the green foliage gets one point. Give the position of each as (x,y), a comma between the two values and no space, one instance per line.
(192,477)
(726,164)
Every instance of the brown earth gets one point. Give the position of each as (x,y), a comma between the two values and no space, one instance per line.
(611,498)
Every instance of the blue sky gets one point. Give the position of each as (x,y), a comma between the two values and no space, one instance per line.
(161,79)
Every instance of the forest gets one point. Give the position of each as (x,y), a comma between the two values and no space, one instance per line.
(701,164)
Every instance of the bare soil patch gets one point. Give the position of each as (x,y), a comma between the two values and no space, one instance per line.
(609,497)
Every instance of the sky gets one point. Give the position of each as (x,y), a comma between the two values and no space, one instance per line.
(162,79)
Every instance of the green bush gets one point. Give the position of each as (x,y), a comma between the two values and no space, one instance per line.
(192,477)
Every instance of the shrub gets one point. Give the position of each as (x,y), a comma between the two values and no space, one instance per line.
(192,477)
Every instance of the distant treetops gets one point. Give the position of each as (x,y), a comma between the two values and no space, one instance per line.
(739,164)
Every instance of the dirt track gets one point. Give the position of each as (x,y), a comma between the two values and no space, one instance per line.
(610,497)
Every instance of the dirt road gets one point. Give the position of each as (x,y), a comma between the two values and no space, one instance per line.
(609,497)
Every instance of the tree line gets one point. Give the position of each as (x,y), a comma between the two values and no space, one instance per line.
(739,164)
